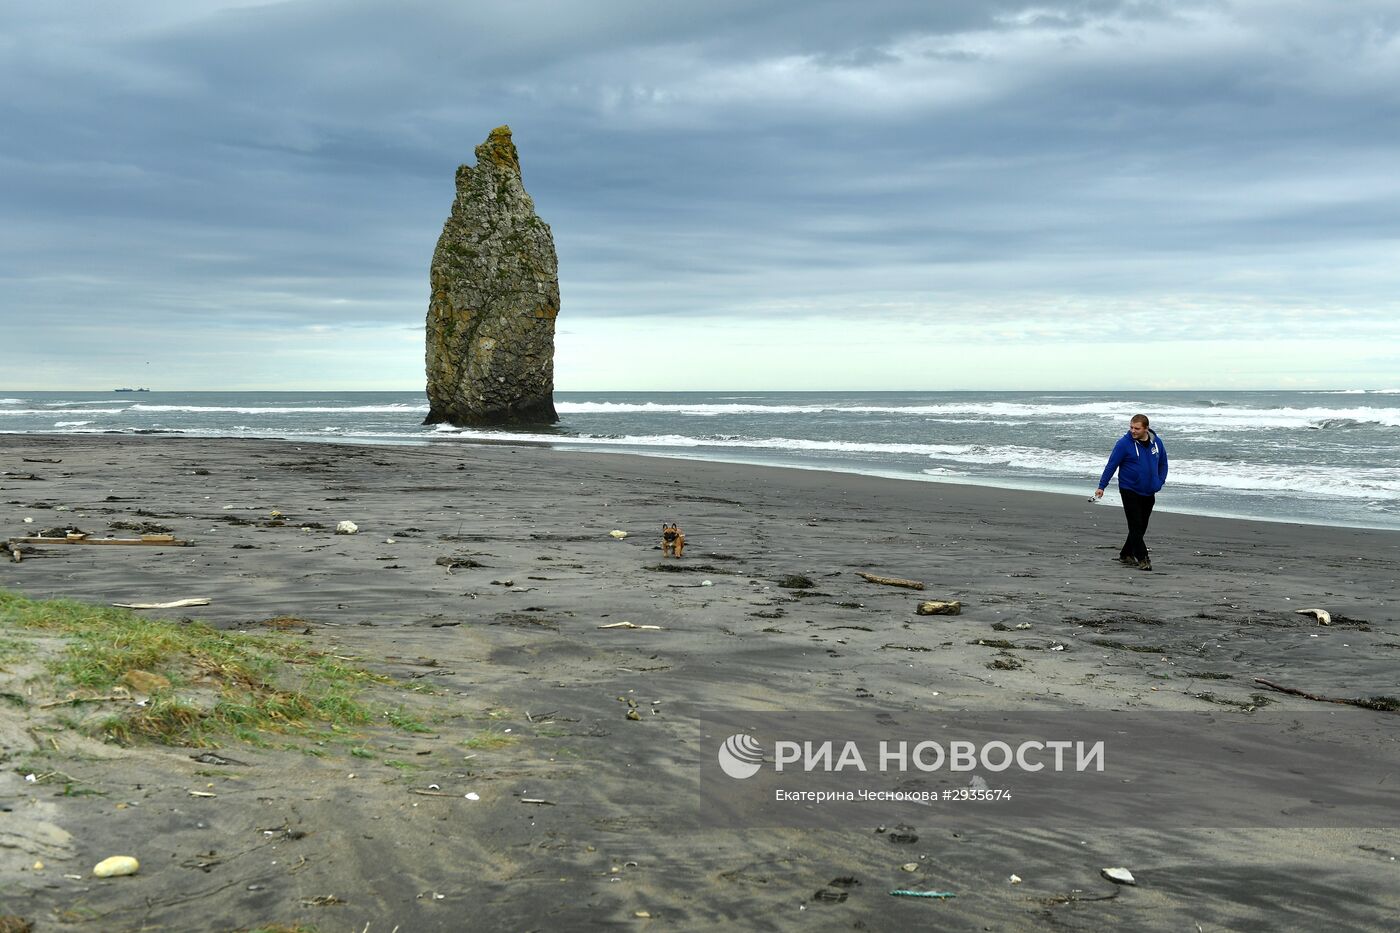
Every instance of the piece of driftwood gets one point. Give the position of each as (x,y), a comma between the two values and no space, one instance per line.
(177,604)
(935,607)
(1382,704)
(893,581)
(69,701)
(148,540)
(1322,615)
(654,628)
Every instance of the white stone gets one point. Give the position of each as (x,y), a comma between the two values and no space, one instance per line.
(115,866)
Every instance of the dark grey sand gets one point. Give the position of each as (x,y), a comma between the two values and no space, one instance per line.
(530,657)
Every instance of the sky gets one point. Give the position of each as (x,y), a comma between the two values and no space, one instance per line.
(964,194)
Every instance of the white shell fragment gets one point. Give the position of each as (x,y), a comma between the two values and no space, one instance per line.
(116,865)
(1118,875)
(346,528)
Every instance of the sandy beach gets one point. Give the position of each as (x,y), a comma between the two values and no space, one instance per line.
(488,573)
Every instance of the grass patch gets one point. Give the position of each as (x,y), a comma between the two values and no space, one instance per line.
(13,649)
(401,720)
(219,683)
(489,739)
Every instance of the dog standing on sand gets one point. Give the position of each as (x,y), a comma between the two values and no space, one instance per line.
(672,541)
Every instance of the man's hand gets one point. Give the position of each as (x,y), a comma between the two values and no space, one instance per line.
(1098,493)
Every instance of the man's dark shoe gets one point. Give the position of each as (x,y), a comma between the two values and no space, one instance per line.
(1126,561)
(1144,564)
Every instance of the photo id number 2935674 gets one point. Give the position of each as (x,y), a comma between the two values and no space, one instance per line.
(976,793)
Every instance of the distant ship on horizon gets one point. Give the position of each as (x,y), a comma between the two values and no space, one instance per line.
(130,390)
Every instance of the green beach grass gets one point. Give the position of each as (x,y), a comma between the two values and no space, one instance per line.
(199,684)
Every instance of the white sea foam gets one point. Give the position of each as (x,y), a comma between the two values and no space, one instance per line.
(1213,416)
(284,409)
(1350,483)
(71,424)
(46,412)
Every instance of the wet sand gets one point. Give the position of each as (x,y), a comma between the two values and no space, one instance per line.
(515,643)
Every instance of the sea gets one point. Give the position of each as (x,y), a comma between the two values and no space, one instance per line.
(1318,457)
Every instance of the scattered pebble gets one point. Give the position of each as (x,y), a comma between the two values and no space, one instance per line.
(115,866)
(1118,875)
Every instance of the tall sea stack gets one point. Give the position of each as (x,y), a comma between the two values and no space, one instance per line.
(495,295)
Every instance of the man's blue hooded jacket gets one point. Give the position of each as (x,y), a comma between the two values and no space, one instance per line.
(1142,468)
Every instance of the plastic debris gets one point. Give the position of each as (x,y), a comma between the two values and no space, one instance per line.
(346,528)
(939,894)
(1118,875)
(115,866)
(1014,879)
(619,535)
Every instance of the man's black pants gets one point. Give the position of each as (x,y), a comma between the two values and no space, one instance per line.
(1138,509)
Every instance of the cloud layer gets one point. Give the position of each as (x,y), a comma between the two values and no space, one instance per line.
(247,194)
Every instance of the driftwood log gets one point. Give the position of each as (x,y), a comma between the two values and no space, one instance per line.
(936,607)
(1381,704)
(147,540)
(893,581)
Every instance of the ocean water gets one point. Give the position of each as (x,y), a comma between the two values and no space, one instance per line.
(1318,457)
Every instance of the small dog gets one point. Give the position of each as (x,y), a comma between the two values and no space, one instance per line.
(672,540)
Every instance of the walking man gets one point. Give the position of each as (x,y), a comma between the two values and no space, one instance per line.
(1140,459)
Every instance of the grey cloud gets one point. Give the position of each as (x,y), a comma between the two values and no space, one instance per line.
(255,162)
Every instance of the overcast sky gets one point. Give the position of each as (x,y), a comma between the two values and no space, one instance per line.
(932,194)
